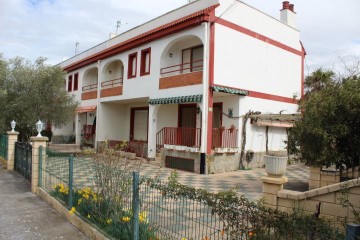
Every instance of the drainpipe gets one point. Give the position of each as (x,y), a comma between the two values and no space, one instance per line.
(205,99)
(98,103)
(204,104)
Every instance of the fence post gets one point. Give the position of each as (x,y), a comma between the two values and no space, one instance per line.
(135,206)
(71,176)
(12,139)
(35,156)
(40,165)
(270,187)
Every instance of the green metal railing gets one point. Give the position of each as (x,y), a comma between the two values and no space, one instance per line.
(123,203)
(3,146)
(23,159)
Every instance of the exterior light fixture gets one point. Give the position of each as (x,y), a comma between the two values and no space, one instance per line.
(170,55)
(230,112)
(13,125)
(39,128)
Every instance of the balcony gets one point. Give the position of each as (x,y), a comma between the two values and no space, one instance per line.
(185,74)
(113,87)
(226,138)
(185,138)
(89,92)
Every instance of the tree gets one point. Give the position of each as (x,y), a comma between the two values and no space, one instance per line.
(329,130)
(34,91)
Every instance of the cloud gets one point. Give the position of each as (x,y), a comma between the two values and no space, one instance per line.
(50,28)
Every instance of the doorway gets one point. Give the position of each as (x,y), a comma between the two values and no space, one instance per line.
(186,134)
(139,124)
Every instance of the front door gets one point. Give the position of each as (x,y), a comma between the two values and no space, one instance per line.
(187,125)
(217,123)
(139,124)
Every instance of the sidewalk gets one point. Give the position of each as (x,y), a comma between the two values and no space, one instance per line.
(23,215)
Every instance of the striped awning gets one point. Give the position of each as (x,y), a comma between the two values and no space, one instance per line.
(83,109)
(176,100)
(229,90)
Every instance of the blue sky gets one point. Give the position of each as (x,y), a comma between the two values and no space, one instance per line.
(50,28)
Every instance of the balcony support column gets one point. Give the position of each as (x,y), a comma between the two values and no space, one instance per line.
(152,130)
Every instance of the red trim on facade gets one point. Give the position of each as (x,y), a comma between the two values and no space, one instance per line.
(272,97)
(258,36)
(70,83)
(143,63)
(211,81)
(131,66)
(303,69)
(170,28)
(302,75)
(76,81)
(262,95)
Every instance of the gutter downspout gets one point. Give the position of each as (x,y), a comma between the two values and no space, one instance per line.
(205,103)
(98,104)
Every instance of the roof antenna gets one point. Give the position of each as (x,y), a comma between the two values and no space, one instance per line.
(76,48)
(119,24)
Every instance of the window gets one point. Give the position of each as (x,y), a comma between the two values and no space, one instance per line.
(145,62)
(132,65)
(76,81)
(192,59)
(70,83)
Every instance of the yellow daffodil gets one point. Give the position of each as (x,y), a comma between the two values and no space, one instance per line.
(125,219)
(72,210)
(109,221)
(88,216)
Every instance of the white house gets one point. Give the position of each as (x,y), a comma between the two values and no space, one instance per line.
(183,82)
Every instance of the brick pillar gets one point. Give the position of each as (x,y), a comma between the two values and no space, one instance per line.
(315,177)
(270,187)
(36,143)
(12,139)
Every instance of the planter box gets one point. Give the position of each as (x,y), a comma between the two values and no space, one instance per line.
(275,166)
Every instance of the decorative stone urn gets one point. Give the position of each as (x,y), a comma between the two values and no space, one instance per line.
(275,166)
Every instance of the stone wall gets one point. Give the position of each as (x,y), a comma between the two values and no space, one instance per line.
(324,201)
(320,177)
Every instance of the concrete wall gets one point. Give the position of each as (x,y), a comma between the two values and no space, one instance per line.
(182,154)
(222,162)
(325,200)
(320,177)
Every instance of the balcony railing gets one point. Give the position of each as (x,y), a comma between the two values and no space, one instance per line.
(189,137)
(193,66)
(112,83)
(224,138)
(89,88)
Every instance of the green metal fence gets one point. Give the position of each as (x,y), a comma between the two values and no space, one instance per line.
(3,146)
(23,159)
(125,205)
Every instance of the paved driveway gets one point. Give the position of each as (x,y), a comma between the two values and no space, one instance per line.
(23,215)
(247,182)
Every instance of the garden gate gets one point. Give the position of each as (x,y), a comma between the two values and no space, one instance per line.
(23,152)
